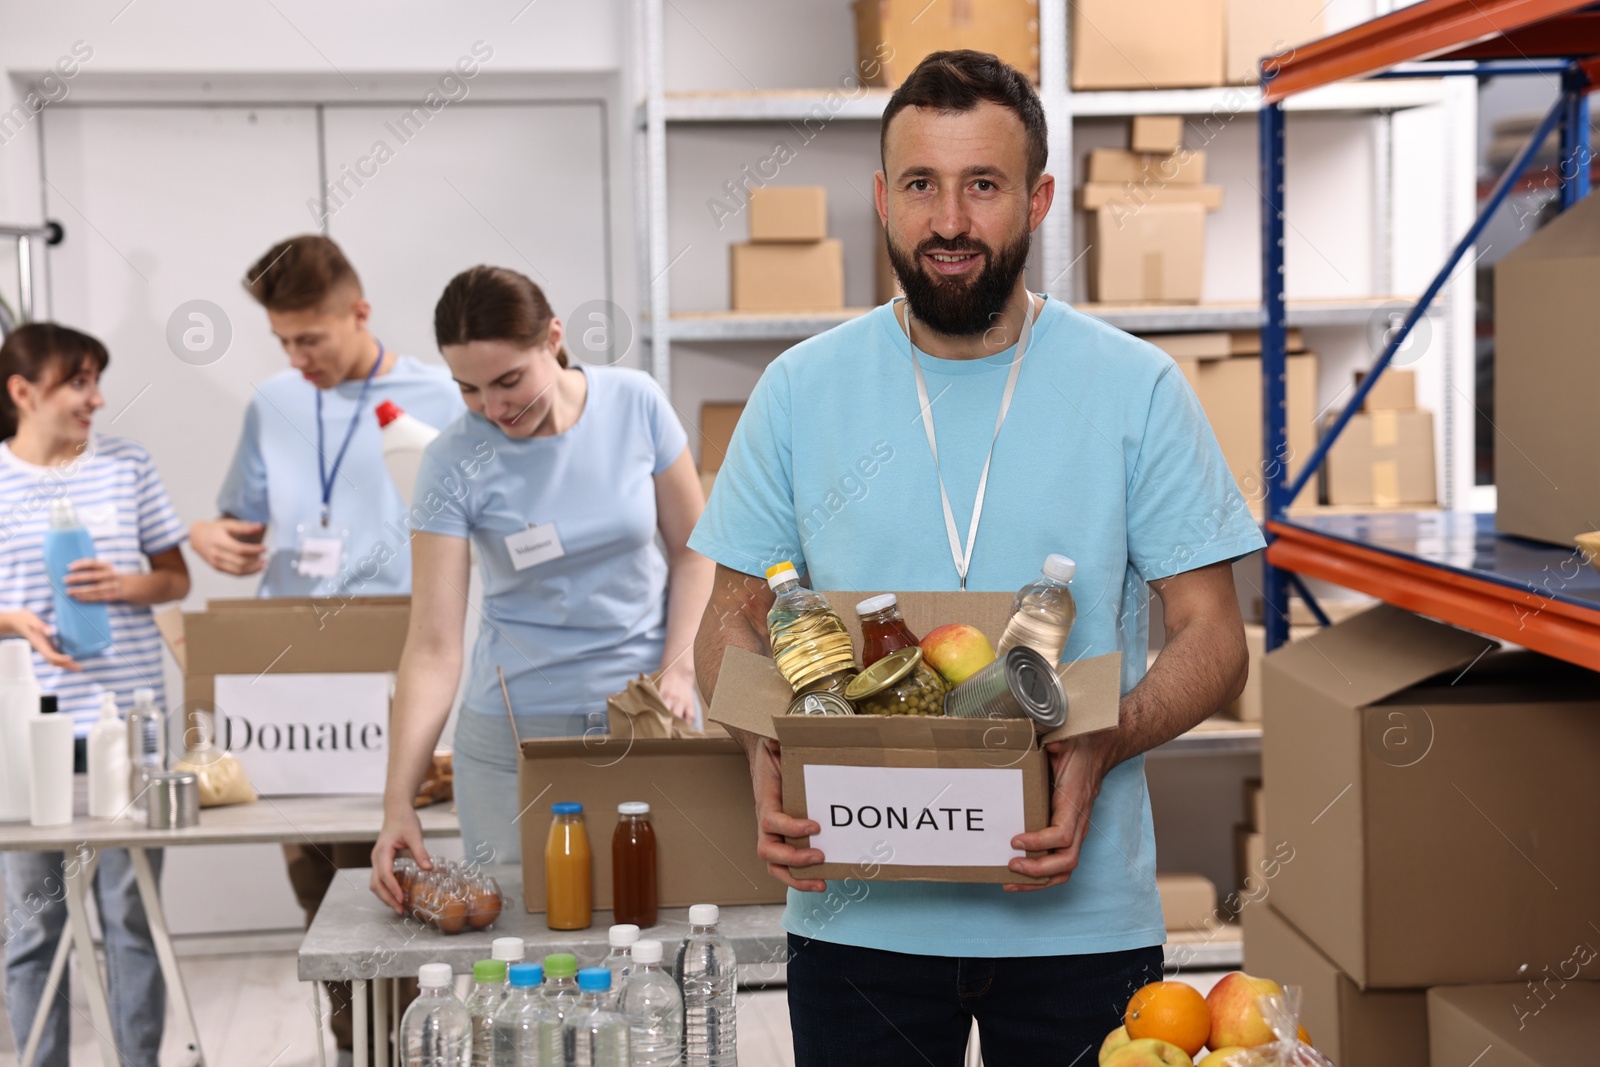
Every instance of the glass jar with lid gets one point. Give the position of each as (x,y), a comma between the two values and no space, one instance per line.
(883,628)
(898,684)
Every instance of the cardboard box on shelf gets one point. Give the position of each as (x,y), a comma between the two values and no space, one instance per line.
(1248,342)
(1155,254)
(1146,44)
(867,779)
(1255,805)
(788,276)
(789,213)
(1246,707)
(1249,861)
(1190,345)
(1384,458)
(1538,1023)
(299,687)
(1546,320)
(1117,165)
(717,422)
(1396,390)
(893,36)
(701,809)
(1258,28)
(1402,753)
(1131,197)
(1157,134)
(1188,901)
(1377,1028)
(1230,392)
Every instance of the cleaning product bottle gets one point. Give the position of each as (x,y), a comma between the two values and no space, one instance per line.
(810,645)
(108,762)
(50,736)
(1044,612)
(404,438)
(19,703)
(82,629)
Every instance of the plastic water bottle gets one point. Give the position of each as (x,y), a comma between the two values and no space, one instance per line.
(522,1019)
(147,748)
(436,1030)
(19,703)
(619,961)
(561,997)
(108,762)
(810,646)
(82,629)
(1044,613)
(708,975)
(488,986)
(404,437)
(653,1005)
(510,950)
(593,1034)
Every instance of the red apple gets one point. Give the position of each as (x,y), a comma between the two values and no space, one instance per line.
(957,651)
(1148,1052)
(1235,1017)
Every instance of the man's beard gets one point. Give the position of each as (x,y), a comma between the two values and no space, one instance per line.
(963,306)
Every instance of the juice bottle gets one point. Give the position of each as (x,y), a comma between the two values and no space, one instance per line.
(1044,612)
(810,645)
(633,865)
(567,874)
(883,629)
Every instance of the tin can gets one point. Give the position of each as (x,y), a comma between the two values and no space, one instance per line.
(173,800)
(820,703)
(1018,685)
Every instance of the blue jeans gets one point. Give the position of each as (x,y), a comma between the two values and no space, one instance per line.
(36,920)
(849,1006)
(484,763)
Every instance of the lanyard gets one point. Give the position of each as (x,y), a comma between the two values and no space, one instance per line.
(326,476)
(963,560)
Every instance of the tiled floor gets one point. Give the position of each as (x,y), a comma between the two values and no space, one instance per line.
(253,1012)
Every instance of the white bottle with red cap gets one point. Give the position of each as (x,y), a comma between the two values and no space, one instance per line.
(404,438)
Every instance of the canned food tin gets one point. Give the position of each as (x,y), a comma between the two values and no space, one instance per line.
(1018,685)
(820,704)
(173,800)
(898,684)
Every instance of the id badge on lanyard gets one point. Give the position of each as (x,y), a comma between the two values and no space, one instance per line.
(320,553)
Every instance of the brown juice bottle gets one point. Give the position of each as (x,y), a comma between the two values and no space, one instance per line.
(633,866)
(883,629)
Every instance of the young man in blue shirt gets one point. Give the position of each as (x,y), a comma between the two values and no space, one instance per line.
(1100,452)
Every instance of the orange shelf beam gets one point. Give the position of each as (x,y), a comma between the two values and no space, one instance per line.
(1556,628)
(1423,30)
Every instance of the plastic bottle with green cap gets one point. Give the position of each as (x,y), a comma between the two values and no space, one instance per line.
(561,997)
(810,644)
(436,1030)
(488,985)
(593,1034)
(523,1020)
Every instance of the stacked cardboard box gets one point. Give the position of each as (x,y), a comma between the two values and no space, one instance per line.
(717,423)
(1542,1023)
(893,36)
(1174,44)
(1188,901)
(1384,457)
(1436,793)
(1261,28)
(790,263)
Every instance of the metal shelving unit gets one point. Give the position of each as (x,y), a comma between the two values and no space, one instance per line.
(659,111)
(1452,566)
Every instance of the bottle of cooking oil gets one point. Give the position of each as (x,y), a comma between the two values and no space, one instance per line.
(809,642)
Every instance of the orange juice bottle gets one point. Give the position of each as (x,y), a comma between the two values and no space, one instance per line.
(568,878)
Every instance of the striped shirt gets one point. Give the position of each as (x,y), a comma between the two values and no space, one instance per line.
(119,498)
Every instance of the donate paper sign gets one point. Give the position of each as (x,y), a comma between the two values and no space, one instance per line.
(929,816)
(306,734)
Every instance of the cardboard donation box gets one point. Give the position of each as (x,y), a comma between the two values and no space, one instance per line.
(1439,797)
(1538,1023)
(914,798)
(1146,44)
(701,810)
(788,276)
(300,687)
(893,36)
(1377,1028)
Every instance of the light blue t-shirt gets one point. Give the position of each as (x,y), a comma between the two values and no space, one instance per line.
(1106,457)
(274,476)
(569,631)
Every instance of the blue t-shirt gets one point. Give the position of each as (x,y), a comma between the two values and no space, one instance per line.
(1106,457)
(274,476)
(569,631)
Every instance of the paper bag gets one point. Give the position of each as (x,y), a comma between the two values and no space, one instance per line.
(638,711)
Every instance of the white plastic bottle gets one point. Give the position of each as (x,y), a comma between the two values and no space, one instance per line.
(653,1005)
(108,762)
(50,736)
(619,960)
(1044,612)
(19,704)
(436,1030)
(708,976)
(404,438)
(592,1034)
(147,748)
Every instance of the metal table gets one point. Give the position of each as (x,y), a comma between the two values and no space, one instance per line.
(355,939)
(282,820)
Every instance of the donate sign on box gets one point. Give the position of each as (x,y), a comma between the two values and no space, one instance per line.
(927,816)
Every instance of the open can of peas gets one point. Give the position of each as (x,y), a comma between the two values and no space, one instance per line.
(898,684)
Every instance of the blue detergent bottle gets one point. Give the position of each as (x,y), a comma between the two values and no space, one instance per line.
(81,629)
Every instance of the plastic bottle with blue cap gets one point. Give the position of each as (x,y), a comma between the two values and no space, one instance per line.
(523,1018)
(594,1035)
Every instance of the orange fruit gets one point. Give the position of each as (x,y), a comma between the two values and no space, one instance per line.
(1173,1012)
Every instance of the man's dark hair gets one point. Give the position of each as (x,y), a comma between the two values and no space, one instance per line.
(960,81)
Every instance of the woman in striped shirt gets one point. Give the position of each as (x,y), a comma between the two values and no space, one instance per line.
(52,392)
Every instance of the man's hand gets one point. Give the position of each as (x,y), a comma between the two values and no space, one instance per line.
(766,776)
(94,581)
(1077,766)
(230,545)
